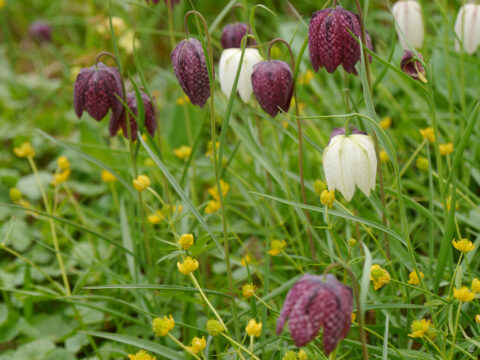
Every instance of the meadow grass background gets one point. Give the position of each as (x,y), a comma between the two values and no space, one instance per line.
(123,270)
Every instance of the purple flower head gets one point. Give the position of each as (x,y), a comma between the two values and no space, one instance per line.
(313,303)
(40,31)
(330,42)
(188,62)
(121,122)
(341,131)
(272,83)
(96,90)
(412,67)
(232,35)
(172,2)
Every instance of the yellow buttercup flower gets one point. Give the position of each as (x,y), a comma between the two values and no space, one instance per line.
(182,100)
(162,326)
(141,182)
(156,217)
(141,355)
(61,177)
(24,150)
(183,152)
(419,328)
(327,198)
(253,328)
(107,176)
(413,278)
(214,327)
(319,186)
(290,355)
(245,260)
(477,319)
(212,206)
(186,240)
(445,149)
(306,77)
(302,355)
(276,247)
(379,276)
(15,194)
(354,316)
(214,191)
(476,285)
(428,133)
(463,245)
(63,163)
(422,163)
(210,148)
(198,345)
(463,294)
(384,156)
(188,266)
(2,4)
(248,290)
(386,122)
(177,209)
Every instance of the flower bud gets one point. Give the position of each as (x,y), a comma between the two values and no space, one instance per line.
(467,28)
(96,90)
(121,122)
(350,161)
(232,35)
(412,67)
(409,23)
(188,61)
(272,83)
(229,62)
(40,31)
(330,42)
(314,302)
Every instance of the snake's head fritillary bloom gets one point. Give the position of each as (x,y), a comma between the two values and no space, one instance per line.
(96,90)
(350,161)
(412,66)
(188,61)
(40,31)
(330,40)
(467,28)
(121,122)
(229,62)
(316,302)
(409,23)
(232,35)
(272,82)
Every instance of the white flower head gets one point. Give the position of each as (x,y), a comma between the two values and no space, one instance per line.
(229,62)
(467,28)
(350,161)
(409,23)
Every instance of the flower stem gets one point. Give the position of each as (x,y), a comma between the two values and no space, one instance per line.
(202,294)
(183,346)
(455,329)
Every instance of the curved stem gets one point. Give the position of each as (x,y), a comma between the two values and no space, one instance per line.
(104,53)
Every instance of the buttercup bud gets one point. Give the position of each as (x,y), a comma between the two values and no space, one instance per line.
(409,23)
(467,28)
(188,61)
(96,90)
(272,83)
(232,35)
(313,303)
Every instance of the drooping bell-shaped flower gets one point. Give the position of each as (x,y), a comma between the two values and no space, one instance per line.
(316,302)
(229,62)
(96,90)
(232,35)
(350,161)
(272,82)
(409,23)
(40,31)
(330,42)
(121,122)
(412,67)
(188,61)
(467,28)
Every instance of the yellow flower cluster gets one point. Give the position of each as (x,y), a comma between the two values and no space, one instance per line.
(188,266)
(141,182)
(182,100)
(422,163)
(198,345)
(186,241)
(421,328)
(107,176)
(306,77)
(276,247)
(183,152)
(24,150)
(63,171)
(141,355)
(386,122)
(319,186)
(463,245)
(210,148)
(214,205)
(476,285)
(379,276)
(463,294)
(327,198)
(162,326)
(428,133)
(214,327)
(384,156)
(156,217)
(245,260)
(445,149)
(253,328)
(413,278)
(248,290)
